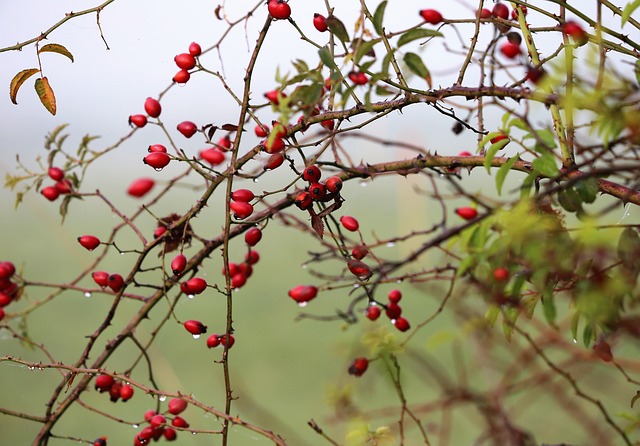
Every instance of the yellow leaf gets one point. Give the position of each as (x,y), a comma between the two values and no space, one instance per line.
(56,48)
(45,93)
(18,80)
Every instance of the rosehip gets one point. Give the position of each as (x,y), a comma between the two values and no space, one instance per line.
(177,406)
(358,366)
(510,50)
(152,107)
(126,392)
(213,156)
(514,37)
(274,145)
(359,269)
(89,242)
(169,433)
(196,285)
(373,312)
(274,161)
(138,120)
(187,128)
(274,96)
(501,274)
(241,209)
(227,341)
(238,280)
(179,422)
(185,61)
(114,391)
(181,77)
(261,132)
(213,341)
(178,264)
(5,299)
(101,278)
(140,187)
(333,184)
(514,13)
(535,74)
(402,324)
(303,293)
(7,269)
(279,9)
(252,257)
(157,420)
(64,186)
(431,16)
(253,236)
(194,327)
(149,414)
(102,441)
(576,32)
(242,195)
(224,143)
(233,269)
(485,13)
(358,77)
(467,213)
(394,296)
(115,282)
(317,191)
(104,383)
(393,310)
(55,173)
(311,174)
(349,223)
(157,148)
(359,252)
(303,200)
(194,49)
(50,193)
(500,10)
(157,160)
(320,22)
(328,124)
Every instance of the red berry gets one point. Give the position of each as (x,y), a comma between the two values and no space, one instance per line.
(5,299)
(195,327)
(104,383)
(213,156)
(177,406)
(185,61)
(328,124)
(500,10)
(402,324)
(178,264)
(467,213)
(55,173)
(64,186)
(274,96)
(303,200)
(303,293)
(157,148)
(394,296)
(349,223)
(485,13)
(227,341)
(501,274)
(359,269)
(152,107)
(261,132)
(317,191)
(358,77)
(242,195)
(187,128)
(238,280)
(180,422)
(333,184)
(196,285)
(279,130)
(233,269)
(126,392)
(373,312)
(274,161)
(510,50)
(157,420)
(253,236)
(576,32)
(359,252)
(213,341)
(312,174)
(157,160)
(102,441)
(159,232)
(138,120)
(144,435)
(149,414)
(393,310)
(224,143)
(89,242)
(50,193)
(320,22)
(101,278)
(7,269)
(194,49)
(169,434)
(115,282)
(252,257)
(140,187)
(274,145)
(181,77)
(431,16)
(535,74)
(114,391)
(279,9)
(241,209)
(358,366)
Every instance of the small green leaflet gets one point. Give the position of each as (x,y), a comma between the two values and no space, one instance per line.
(501,175)
(415,64)
(546,165)
(337,28)
(378,16)
(628,10)
(327,58)
(416,34)
(491,153)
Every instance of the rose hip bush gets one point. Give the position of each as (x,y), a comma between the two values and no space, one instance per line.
(530,257)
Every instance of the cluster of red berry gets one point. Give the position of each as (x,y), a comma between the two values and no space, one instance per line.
(197,328)
(392,310)
(186,61)
(9,290)
(316,190)
(62,185)
(116,388)
(103,279)
(240,272)
(158,427)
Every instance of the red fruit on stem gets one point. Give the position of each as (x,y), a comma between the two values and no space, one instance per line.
(242,195)
(7,269)
(233,269)
(157,148)
(358,77)
(393,310)
(358,366)
(126,392)
(5,299)
(252,257)
(89,242)
(303,201)
(253,236)
(274,145)
(224,143)
(177,406)
(213,156)
(279,9)
(180,422)
(178,264)
(64,186)
(138,120)
(261,132)
(373,312)
(303,293)
(359,269)
(320,22)
(467,213)
(349,223)
(311,174)
(157,420)
(500,10)
(55,173)
(501,274)
(510,50)
(169,433)
(195,327)
(50,193)
(535,74)
(152,107)
(333,184)
(328,124)
(157,160)
(514,37)
(187,128)
(181,77)
(185,61)
(213,341)
(102,441)
(104,382)
(394,296)
(101,278)
(485,13)
(317,191)
(359,252)
(238,280)
(227,341)
(196,285)
(279,130)
(115,282)
(576,32)
(194,49)
(431,16)
(140,187)
(241,209)
(274,161)
(402,324)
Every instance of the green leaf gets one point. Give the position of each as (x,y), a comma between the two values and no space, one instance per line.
(575,322)
(415,64)
(56,48)
(327,58)
(491,316)
(415,34)
(587,334)
(629,249)
(588,189)
(488,137)
(501,175)
(491,153)
(378,16)
(628,10)
(17,82)
(337,28)
(364,47)
(570,200)
(546,165)
(45,93)
(549,306)
(637,71)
